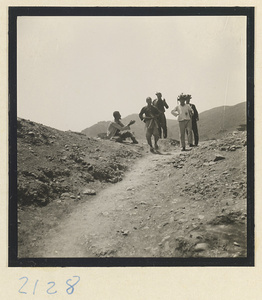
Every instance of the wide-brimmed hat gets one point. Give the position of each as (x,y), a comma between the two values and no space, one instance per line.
(158,93)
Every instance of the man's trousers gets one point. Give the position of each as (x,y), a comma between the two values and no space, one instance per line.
(195,131)
(183,126)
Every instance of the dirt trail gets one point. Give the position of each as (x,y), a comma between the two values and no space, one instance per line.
(116,221)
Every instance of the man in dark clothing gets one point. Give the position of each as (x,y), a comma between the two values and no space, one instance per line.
(149,115)
(194,118)
(161,104)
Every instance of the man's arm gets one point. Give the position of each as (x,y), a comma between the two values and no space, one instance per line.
(191,111)
(165,104)
(119,127)
(195,112)
(131,122)
(175,112)
(141,114)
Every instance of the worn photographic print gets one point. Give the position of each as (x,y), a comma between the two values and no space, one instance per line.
(131,136)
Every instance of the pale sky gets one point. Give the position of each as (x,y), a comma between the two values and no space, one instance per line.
(75,71)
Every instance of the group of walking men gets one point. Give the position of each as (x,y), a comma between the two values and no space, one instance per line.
(153,115)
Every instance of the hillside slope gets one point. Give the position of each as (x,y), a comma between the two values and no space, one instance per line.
(217,121)
(212,124)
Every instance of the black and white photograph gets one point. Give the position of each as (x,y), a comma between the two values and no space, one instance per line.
(131,136)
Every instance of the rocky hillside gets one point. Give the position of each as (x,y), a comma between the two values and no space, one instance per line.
(213,123)
(50,163)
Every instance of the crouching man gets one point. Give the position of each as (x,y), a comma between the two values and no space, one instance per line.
(118,131)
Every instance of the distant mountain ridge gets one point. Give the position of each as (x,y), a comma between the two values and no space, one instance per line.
(213,123)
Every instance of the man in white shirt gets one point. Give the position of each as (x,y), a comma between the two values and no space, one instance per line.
(184,113)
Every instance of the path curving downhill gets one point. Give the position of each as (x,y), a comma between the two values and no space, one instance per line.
(123,220)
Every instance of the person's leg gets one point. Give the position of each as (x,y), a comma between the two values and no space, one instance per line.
(182,129)
(195,131)
(164,126)
(156,137)
(159,127)
(189,129)
(118,138)
(127,134)
(134,140)
(148,138)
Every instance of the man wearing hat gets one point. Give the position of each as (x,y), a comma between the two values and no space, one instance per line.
(161,104)
(149,115)
(118,131)
(184,113)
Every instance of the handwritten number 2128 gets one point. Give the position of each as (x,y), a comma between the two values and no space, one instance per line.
(70,290)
